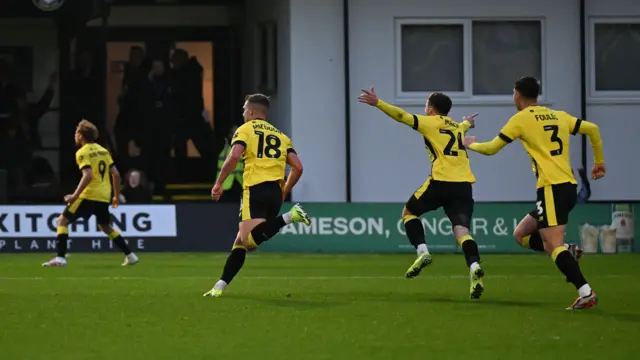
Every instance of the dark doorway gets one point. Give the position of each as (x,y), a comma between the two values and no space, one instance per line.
(216,53)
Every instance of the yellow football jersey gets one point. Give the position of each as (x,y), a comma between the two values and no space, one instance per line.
(265,152)
(99,160)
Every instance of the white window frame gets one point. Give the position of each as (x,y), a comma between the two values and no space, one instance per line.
(606,95)
(466,96)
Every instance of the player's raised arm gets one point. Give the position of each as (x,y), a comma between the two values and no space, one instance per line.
(370,97)
(509,132)
(468,122)
(590,129)
(296,171)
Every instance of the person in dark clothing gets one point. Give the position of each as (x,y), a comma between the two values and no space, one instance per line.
(9,95)
(85,93)
(85,90)
(135,190)
(133,99)
(35,112)
(15,157)
(189,102)
(159,122)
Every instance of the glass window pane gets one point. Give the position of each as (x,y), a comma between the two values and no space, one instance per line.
(432,58)
(617,55)
(504,51)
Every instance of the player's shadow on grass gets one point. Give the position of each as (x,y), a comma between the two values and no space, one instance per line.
(420,297)
(290,302)
(490,302)
(105,266)
(604,314)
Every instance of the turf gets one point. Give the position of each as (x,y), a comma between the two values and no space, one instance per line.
(313,307)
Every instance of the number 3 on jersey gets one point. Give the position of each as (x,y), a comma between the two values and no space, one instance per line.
(268,146)
(554,138)
(448,149)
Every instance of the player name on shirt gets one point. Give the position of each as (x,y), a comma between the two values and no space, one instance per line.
(267,127)
(450,122)
(545,117)
(94,154)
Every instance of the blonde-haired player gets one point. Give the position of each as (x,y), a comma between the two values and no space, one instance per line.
(92,195)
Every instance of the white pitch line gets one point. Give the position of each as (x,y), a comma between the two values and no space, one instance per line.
(285,278)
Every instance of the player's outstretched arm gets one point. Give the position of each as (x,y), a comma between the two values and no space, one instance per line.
(370,97)
(486,148)
(593,132)
(511,131)
(398,114)
(296,172)
(468,122)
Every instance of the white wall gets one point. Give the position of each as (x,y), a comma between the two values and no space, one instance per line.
(389,160)
(617,119)
(318,99)
(41,36)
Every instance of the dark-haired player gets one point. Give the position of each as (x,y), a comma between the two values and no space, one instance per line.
(544,134)
(450,183)
(93,194)
(266,152)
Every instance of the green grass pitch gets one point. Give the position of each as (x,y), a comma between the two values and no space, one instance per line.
(313,307)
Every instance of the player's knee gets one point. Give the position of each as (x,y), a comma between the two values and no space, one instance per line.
(460,231)
(461,220)
(518,235)
(237,241)
(244,239)
(518,238)
(62,221)
(107,229)
(407,215)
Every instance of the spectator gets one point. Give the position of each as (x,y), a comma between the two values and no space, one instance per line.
(130,121)
(9,95)
(135,190)
(87,98)
(36,111)
(85,90)
(15,156)
(15,152)
(158,126)
(189,101)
